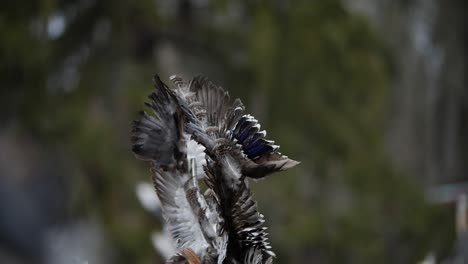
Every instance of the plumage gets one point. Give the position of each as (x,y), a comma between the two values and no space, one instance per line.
(264,153)
(196,158)
(155,138)
(177,210)
(223,122)
(196,133)
(163,243)
(239,210)
(255,256)
(185,256)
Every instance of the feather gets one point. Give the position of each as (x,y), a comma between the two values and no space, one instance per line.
(213,99)
(163,243)
(185,256)
(182,223)
(239,210)
(248,222)
(226,124)
(264,153)
(196,158)
(255,256)
(196,126)
(155,138)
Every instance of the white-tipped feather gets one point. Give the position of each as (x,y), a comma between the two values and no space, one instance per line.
(201,134)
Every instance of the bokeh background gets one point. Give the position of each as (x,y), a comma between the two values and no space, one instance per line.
(370,95)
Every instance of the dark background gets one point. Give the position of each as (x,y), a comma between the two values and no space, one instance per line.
(370,96)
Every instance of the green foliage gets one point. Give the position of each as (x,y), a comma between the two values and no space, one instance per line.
(325,77)
(315,75)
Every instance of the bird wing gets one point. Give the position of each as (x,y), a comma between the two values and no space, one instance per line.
(161,140)
(223,120)
(241,218)
(182,222)
(255,256)
(196,158)
(155,138)
(264,153)
(185,256)
(216,103)
(248,222)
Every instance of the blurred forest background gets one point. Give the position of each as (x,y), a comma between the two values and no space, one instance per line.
(371,96)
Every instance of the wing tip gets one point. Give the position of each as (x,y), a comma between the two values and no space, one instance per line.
(290,163)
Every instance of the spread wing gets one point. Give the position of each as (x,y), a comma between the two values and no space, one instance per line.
(219,120)
(226,223)
(242,221)
(155,137)
(248,222)
(264,153)
(255,256)
(160,139)
(182,223)
(218,114)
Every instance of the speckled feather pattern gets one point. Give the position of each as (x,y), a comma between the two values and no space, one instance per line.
(196,132)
